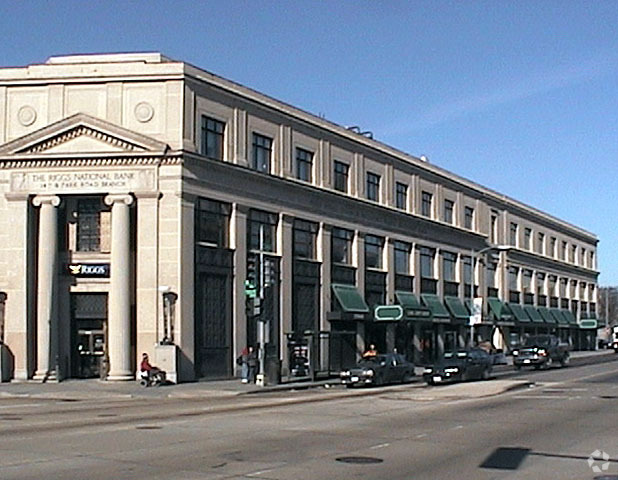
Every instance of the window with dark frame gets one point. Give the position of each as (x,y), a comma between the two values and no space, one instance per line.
(402,257)
(341,245)
(401,196)
(262,152)
(89,225)
(449,266)
(426,204)
(490,276)
(449,207)
(552,247)
(427,256)
(212,138)
(212,222)
(304,164)
(373,187)
(341,176)
(513,273)
(262,230)
(540,242)
(374,247)
(527,238)
(305,238)
(563,249)
(513,234)
(469,218)
(493,227)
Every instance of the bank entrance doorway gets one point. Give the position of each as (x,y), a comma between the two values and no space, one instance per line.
(88,334)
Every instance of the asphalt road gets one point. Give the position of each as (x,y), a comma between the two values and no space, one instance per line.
(548,430)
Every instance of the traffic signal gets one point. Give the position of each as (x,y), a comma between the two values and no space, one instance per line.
(268,272)
(253,306)
(252,270)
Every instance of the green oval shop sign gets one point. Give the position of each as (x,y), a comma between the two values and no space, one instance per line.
(387,313)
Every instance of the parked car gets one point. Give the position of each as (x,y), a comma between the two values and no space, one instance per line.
(541,351)
(497,354)
(379,370)
(470,364)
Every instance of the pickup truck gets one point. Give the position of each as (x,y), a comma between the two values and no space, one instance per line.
(541,351)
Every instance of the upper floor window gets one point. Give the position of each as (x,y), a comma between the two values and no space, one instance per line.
(527,238)
(373,187)
(305,239)
(262,152)
(563,287)
(513,274)
(212,222)
(341,245)
(527,280)
(467,270)
(552,280)
(513,234)
(262,230)
(89,225)
(426,204)
(427,256)
(373,251)
(540,243)
(402,257)
(449,207)
(401,196)
(490,275)
(552,246)
(304,164)
(493,227)
(449,264)
(591,262)
(573,253)
(468,218)
(582,257)
(212,138)
(563,249)
(340,176)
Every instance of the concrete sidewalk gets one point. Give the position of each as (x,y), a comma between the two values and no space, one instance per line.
(75,390)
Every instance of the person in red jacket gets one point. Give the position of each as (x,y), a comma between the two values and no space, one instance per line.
(146,367)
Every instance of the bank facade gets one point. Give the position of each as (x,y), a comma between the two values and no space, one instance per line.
(147,205)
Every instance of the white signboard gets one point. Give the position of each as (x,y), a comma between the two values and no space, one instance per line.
(119,180)
(477,311)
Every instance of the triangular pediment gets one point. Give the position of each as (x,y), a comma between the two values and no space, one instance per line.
(82,134)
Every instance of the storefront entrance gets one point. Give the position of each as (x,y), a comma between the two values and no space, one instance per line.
(89,334)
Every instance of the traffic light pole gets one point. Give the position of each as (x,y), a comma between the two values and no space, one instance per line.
(260,378)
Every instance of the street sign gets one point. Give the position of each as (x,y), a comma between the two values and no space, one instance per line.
(477,311)
(387,313)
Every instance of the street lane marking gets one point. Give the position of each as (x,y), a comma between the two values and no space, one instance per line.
(22,405)
(545,397)
(421,435)
(382,445)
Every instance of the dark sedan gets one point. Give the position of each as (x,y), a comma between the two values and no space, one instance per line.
(379,370)
(472,364)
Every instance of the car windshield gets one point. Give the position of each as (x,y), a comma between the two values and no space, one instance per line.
(537,341)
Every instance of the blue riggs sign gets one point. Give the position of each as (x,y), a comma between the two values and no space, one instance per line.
(100,270)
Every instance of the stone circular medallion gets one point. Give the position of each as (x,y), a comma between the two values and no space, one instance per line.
(144,112)
(26,115)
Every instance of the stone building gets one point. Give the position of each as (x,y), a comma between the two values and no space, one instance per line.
(144,202)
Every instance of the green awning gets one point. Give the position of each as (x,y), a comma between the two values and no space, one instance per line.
(349,299)
(533,313)
(560,319)
(412,308)
(499,310)
(519,312)
(434,304)
(457,309)
(568,314)
(547,316)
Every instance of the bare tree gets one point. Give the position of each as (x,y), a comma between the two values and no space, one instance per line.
(607,305)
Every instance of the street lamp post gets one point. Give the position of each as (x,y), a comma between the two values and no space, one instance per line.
(474,254)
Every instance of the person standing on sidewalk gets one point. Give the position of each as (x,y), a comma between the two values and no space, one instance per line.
(252,363)
(248,362)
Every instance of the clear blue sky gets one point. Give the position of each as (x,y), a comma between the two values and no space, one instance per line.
(519,96)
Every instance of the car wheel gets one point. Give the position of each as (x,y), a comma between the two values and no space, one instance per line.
(565,360)
(486,374)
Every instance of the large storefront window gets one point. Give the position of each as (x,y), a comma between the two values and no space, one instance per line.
(89,225)
(212,223)
(262,231)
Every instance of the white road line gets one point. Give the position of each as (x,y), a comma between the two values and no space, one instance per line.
(422,435)
(382,445)
(546,397)
(22,405)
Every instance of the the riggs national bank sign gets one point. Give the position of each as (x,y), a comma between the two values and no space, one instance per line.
(84,181)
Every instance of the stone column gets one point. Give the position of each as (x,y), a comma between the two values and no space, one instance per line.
(119,301)
(47,321)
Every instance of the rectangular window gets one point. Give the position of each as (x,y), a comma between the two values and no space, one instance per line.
(449,207)
(373,251)
(212,138)
(513,273)
(493,227)
(540,243)
(469,218)
(552,280)
(490,278)
(427,258)
(373,187)
(341,244)
(527,238)
(262,152)
(305,239)
(402,257)
(262,231)
(563,287)
(573,253)
(552,247)
(526,280)
(513,234)
(212,222)
(426,204)
(304,165)
(449,265)
(563,249)
(401,196)
(89,225)
(582,257)
(591,263)
(341,176)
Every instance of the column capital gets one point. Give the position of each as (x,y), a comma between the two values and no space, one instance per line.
(39,200)
(118,198)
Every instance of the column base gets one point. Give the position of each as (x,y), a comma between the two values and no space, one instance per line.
(45,377)
(120,377)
